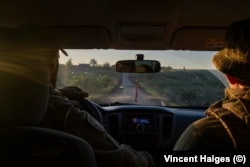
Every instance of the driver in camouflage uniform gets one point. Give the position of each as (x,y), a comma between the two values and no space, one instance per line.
(66,115)
(227,122)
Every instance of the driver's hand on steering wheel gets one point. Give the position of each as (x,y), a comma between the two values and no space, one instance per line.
(72,92)
(77,94)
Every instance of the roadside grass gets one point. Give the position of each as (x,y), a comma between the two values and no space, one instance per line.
(182,87)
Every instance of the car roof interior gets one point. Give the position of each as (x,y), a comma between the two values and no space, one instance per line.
(130,24)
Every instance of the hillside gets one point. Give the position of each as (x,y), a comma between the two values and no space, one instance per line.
(182,87)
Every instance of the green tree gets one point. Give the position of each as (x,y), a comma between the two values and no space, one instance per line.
(93,62)
(69,64)
(67,73)
(168,68)
(106,65)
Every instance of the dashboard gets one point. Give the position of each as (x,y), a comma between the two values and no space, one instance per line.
(149,128)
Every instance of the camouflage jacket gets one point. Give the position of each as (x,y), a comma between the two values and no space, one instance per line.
(225,127)
(66,115)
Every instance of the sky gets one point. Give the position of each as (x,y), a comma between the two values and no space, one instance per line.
(175,59)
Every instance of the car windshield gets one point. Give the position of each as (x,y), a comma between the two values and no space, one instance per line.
(187,78)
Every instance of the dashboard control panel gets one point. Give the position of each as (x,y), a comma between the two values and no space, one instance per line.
(140,123)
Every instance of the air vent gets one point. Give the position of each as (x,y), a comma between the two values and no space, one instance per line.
(114,126)
(167,122)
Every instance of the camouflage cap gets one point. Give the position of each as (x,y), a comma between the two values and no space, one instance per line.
(234,59)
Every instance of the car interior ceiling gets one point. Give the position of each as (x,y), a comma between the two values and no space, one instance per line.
(128,24)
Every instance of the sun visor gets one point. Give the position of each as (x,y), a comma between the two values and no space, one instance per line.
(83,37)
(201,38)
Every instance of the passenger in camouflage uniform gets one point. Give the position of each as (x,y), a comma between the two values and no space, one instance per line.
(66,115)
(227,122)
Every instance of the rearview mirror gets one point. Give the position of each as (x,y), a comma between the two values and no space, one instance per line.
(138,66)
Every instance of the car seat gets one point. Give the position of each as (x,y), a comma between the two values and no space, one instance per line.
(25,91)
(40,146)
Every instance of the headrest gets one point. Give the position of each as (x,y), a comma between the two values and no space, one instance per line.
(24,74)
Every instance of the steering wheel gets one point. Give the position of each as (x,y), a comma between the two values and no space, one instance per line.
(91,108)
(76,93)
